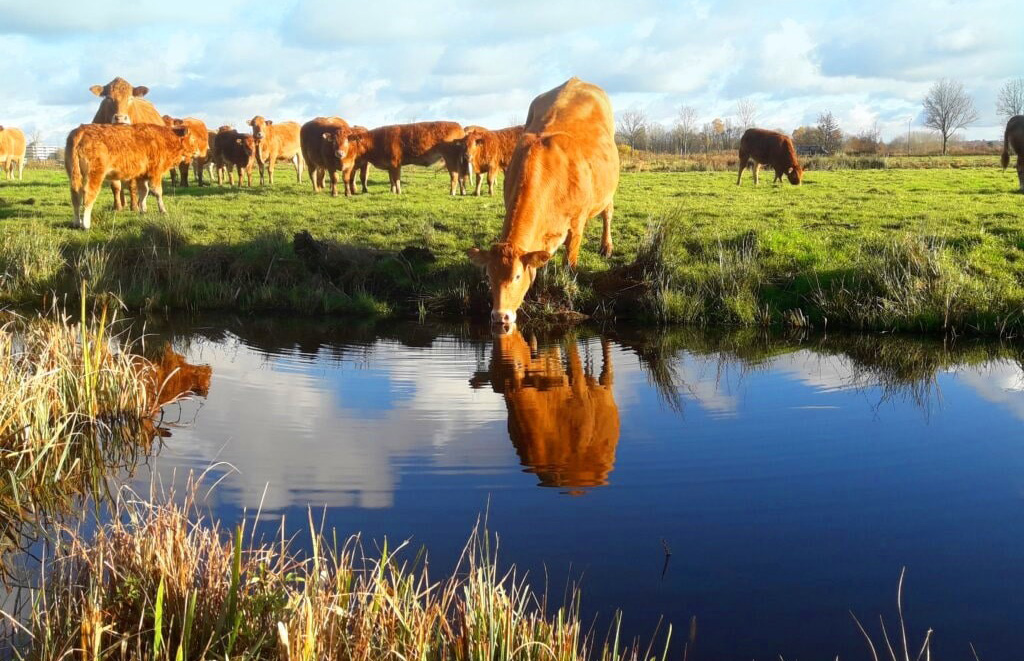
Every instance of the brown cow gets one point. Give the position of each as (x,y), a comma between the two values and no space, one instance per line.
(198,136)
(1014,137)
(318,155)
(487,152)
(563,422)
(204,164)
(232,149)
(564,171)
(121,103)
(140,153)
(760,147)
(423,143)
(171,377)
(12,151)
(276,142)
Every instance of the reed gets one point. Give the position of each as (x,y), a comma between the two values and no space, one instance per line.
(75,405)
(159,581)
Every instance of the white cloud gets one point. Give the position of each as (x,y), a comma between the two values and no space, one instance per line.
(377,63)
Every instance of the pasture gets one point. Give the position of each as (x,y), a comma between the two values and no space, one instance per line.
(910,249)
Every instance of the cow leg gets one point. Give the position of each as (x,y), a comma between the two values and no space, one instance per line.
(21,169)
(606,234)
(334,183)
(88,197)
(261,166)
(492,176)
(157,186)
(115,188)
(479,183)
(743,166)
(184,173)
(318,185)
(270,172)
(1020,171)
(395,175)
(756,169)
(298,168)
(453,175)
(362,176)
(573,240)
(143,184)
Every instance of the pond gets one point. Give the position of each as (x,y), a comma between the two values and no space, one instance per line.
(758,486)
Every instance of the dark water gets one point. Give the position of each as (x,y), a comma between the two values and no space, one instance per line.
(790,478)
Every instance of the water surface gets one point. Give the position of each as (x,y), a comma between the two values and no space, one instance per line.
(789,477)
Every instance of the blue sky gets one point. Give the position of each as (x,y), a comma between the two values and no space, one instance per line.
(395,61)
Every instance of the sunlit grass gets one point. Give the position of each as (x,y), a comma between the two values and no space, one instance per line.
(913,249)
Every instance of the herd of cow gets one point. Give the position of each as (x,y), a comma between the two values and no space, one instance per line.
(561,167)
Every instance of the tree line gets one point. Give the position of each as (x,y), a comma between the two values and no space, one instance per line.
(945,109)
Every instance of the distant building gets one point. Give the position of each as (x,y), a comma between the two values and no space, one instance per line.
(811,150)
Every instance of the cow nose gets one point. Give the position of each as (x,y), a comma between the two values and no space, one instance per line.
(503,317)
(339,154)
(122,119)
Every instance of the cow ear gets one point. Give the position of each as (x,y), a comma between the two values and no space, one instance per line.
(97,90)
(327,136)
(535,259)
(141,90)
(269,122)
(180,131)
(249,123)
(238,141)
(478,257)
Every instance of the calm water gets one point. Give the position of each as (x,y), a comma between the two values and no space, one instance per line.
(791,478)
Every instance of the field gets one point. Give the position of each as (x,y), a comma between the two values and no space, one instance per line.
(913,249)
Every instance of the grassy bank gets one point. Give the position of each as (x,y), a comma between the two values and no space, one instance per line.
(919,250)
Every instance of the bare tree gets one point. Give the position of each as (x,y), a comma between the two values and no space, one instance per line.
(514,120)
(830,136)
(686,122)
(948,108)
(632,126)
(1010,101)
(746,113)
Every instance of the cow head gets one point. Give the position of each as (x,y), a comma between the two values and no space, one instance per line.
(259,126)
(121,95)
(795,175)
(337,139)
(510,271)
(469,150)
(247,146)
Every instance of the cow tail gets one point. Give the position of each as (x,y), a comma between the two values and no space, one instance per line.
(73,160)
(1004,158)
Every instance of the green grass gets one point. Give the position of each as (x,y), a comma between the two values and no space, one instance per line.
(910,249)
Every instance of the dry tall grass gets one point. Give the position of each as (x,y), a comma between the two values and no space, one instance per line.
(158,581)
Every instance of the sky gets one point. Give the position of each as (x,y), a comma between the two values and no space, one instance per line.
(397,61)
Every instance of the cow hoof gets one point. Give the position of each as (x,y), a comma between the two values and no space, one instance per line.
(606,250)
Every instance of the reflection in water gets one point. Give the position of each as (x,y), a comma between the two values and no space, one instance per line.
(791,475)
(563,422)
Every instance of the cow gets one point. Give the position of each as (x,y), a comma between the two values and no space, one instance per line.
(487,152)
(276,142)
(1013,137)
(123,103)
(318,155)
(564,171)
(139,153)
(760,147)
(204,164)
(167,379)
(423,143)
(232,149)
(12,152)
(199,138)
(563,422)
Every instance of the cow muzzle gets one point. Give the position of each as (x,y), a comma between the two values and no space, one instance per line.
(340,153)
(121,119)
(503,317)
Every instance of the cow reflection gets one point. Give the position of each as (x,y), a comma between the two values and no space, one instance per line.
(170,378)
(562,421)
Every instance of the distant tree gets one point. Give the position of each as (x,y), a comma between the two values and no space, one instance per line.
(746,113)
(514,120)
(1010,101)
(830,136)
(686,122)
(707,136)
(948,108)
(868,141)
(632,126)
(806,136)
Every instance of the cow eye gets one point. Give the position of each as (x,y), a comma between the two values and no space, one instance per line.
(519,276)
